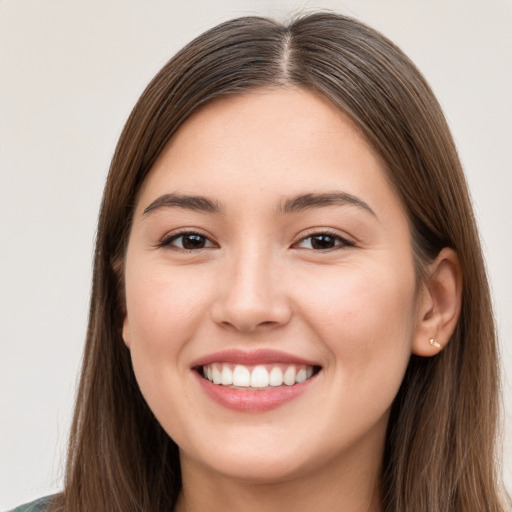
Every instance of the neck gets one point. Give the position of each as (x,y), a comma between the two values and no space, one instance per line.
(349,484)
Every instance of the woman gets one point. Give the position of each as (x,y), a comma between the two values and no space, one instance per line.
(289,306)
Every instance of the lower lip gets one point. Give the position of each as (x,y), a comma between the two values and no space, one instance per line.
(252,401)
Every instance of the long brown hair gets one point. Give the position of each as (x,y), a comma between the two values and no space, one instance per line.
(440,446)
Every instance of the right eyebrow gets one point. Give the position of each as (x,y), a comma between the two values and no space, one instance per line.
(194,203)
(335,198)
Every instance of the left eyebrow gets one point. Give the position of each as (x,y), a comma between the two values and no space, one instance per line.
(194,203)
(307,201)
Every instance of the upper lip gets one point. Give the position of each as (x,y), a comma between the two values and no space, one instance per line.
(252,357)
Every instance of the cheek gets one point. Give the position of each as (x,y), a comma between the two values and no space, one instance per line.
(162,307)
(364,317)
(366,322)
(163,312)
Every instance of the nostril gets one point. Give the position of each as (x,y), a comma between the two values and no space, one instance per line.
(245,325)
(267,323)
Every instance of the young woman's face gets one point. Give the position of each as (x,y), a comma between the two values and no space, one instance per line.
(270,255)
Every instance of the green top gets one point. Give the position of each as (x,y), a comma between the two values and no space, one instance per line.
(39,505)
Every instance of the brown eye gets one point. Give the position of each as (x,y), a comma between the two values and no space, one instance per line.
(188,241)
(323,242)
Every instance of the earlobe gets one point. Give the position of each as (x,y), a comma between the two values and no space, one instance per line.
(439,304)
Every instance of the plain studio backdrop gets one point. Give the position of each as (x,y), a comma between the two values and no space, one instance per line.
(71,72)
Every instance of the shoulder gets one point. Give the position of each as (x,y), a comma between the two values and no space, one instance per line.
(39,505)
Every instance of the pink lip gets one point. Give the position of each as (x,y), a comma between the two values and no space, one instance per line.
(251,358)
(256,400)
(252,401)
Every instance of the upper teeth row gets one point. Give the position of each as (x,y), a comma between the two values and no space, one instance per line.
(258,376)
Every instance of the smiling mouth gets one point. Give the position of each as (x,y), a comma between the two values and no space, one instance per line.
(256,377)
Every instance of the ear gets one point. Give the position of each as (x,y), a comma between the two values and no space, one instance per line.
(118,268)
(126,331)
(439,304)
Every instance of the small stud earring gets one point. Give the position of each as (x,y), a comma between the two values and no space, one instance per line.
(434,343)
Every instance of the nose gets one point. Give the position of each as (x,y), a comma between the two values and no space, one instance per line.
(251,296)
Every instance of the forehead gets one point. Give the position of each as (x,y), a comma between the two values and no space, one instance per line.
(280,141)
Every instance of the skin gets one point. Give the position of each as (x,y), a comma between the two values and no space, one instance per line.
(355,309)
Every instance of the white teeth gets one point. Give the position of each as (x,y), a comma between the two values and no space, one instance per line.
(276,376)
(301,375)
(217,377)
(241,376)
(289,376)
(258,376)
(226,376)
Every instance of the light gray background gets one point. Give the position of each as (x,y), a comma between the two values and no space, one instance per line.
(70,73)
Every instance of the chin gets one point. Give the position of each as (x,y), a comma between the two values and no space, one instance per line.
(266,460)
(258,469)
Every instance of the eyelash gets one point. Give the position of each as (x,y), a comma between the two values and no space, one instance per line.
(340,242)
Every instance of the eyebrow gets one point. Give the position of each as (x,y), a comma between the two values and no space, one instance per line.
(307,201)
(293,204)
(194,203)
